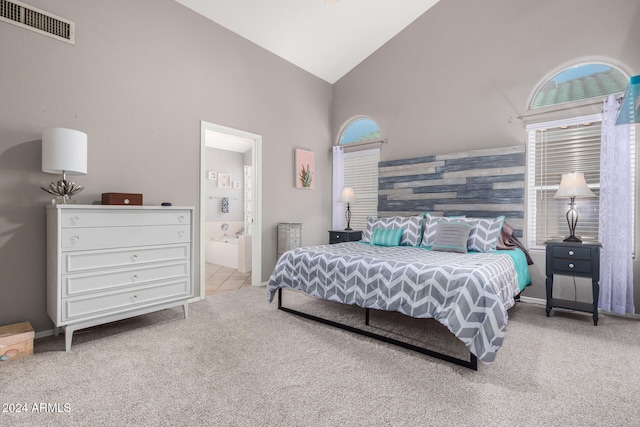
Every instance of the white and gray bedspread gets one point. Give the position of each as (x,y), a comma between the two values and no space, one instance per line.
(468,293)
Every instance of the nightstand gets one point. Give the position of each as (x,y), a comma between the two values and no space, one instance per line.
(573,259)
(339,236)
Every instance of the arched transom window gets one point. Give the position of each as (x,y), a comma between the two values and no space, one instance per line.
(593,80)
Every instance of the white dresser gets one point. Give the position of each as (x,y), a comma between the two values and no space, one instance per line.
(106,263)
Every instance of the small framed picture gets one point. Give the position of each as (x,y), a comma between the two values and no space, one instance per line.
(305,169)
(212,176)
(224,180)
(236,184)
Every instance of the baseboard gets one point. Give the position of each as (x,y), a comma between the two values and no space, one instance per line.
(541,301)
(42,334)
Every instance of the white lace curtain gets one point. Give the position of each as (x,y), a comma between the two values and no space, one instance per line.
(337,222)
(616,263)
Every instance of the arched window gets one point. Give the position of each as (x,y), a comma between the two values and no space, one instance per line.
(564,143)
(593,80)
(360,167)
(361,129)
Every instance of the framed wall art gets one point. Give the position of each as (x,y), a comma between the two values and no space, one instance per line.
(305,169)
(224,180)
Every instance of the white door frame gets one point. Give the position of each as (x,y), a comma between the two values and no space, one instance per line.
(256,185)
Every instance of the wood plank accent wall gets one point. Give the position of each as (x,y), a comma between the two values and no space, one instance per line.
(481,183)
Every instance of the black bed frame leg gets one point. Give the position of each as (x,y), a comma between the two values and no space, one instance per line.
(366,316)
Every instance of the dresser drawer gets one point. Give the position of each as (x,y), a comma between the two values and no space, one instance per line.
(95,305)
(571,252)
(77,284)
(78,218)
(112,237)
(76,262)
(571,266)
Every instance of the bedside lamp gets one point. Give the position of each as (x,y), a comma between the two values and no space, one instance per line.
(347,196)
(64,151)
(573,186)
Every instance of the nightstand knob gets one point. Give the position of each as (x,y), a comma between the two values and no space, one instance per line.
(337,236)
(571,265)
(570,252)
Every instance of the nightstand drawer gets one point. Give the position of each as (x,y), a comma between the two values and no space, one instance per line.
(571,252)
(337,236)
(572,266)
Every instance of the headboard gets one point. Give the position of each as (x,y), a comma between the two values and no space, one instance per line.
(481,183)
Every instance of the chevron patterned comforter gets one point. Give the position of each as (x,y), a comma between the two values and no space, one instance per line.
(468,293)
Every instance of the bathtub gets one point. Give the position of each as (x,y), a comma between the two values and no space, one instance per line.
(224,248)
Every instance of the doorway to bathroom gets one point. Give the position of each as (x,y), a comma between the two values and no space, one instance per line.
(230,209)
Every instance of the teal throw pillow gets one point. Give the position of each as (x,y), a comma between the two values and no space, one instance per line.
(386,236)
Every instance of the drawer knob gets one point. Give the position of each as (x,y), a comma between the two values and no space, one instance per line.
(134,258)
(126,201)
(180,234)
(570,252)
(74,220)
(74,239)
(571,265)
(181,218)
(134,278)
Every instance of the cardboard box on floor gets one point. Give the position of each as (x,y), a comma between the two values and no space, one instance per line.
(16,341)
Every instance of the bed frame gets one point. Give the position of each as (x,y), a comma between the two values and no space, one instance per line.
(472,363)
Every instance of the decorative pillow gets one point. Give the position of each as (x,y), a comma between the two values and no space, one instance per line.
(430,226)
(451,237)
(412,226)
(484,234)
(386,236)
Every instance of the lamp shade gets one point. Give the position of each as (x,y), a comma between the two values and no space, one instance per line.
(573,185)
(347,195)
(64,150)
(630,108)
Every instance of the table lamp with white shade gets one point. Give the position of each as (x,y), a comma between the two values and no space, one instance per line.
(347,196)
(64,151)
(573,186)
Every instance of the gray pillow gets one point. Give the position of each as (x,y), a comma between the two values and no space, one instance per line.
(430,226)
(451,237)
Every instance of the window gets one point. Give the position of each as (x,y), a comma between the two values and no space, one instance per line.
(568,145)
(361,174)
(360,130)
(555,148)
(579,83)
(361,168)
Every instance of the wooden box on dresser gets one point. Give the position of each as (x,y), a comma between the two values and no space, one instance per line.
(107,263)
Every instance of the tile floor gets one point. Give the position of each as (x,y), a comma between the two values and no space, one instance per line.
(223,279)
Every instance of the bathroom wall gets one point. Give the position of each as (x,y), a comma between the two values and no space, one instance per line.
(226,162)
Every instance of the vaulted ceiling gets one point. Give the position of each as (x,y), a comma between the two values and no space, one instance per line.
(327,38)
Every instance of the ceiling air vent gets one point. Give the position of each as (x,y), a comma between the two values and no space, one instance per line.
(37,20)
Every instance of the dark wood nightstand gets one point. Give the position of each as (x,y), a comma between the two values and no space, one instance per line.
(339,236)
(573,259)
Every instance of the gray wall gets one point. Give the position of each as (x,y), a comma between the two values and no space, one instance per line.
(140,78)
(459,76)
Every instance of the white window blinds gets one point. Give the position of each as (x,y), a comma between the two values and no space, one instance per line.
(361,174)
(556,148)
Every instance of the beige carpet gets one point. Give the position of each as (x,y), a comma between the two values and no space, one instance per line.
(239,361)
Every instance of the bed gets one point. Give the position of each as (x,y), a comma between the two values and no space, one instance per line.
(469,293)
